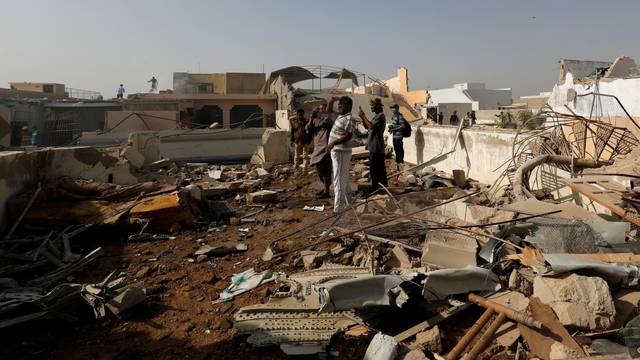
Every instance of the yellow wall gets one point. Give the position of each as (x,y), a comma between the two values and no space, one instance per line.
(219,81)
(58,89)
(244,83)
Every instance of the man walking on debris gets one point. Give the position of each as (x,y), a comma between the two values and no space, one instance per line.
(319,127)
(300,140)
(375,143)
(398,123)
(339,146)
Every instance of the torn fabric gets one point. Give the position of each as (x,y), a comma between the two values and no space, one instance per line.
(245,281)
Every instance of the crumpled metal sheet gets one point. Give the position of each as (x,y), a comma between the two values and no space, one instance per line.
(358,293)
(576,236)
(614,274)
(441,283)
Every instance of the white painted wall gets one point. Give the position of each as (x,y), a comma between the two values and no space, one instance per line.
(193,145)
(627,90)
(481,151)
(473,93)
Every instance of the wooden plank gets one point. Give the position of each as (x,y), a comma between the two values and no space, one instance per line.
(622,258)
(412,331)
(608,201)
(540,340)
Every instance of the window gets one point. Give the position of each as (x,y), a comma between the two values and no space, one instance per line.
(47,88)
(205,88)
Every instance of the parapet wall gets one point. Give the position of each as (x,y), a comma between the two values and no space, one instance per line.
(480,151)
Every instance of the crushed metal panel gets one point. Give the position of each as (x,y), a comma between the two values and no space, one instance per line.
(291,317)
(615,274)
(441,283)
(358,293)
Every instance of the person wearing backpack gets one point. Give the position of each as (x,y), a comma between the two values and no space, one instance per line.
(400,128)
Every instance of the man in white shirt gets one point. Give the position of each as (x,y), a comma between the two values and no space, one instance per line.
(120,92)
(340,146)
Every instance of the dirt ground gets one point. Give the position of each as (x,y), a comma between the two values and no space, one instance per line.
(178,320)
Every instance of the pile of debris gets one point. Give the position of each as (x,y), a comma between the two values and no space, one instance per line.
(555,280)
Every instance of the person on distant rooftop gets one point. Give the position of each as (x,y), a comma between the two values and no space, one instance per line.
(154,85)
(120,92)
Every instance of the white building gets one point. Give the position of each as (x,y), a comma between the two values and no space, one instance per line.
(475,94)
(619,80)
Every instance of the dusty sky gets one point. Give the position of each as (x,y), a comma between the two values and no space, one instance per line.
(97,45)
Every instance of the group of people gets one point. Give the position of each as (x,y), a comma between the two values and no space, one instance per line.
(333,141)
(454,119)
(154,88)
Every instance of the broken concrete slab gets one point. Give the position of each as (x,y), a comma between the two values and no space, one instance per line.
(579,301)
(382,347)
(399,258)
(128,298)
(261,196)
(447,249)
(274,149)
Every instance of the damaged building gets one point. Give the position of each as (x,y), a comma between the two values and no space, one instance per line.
(179,224)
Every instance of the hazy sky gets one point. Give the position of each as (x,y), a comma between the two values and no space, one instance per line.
(97,45)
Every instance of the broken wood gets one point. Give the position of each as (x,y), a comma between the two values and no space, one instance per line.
(604,192)
(24,212)
(540,340)
(412,331)
(622,258)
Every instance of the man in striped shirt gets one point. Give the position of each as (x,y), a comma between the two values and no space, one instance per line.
(340,146)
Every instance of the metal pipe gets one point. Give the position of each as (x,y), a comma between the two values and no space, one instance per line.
(514,315)
(470,335)
(486,337)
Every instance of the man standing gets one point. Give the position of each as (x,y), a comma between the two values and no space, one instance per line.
(440,117)
(454,119)
(375,143)
(154,85)
(340,148)
(120,92)
(319,127)
(300,140)
(398,123)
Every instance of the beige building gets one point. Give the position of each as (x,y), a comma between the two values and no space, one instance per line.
(217,83)
(51,89)
(230,110)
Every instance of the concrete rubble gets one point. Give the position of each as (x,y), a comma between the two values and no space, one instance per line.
(539,264)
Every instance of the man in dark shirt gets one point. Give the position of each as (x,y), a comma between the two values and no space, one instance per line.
(454,119)
(375,143)
(319,127)
(440,117)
